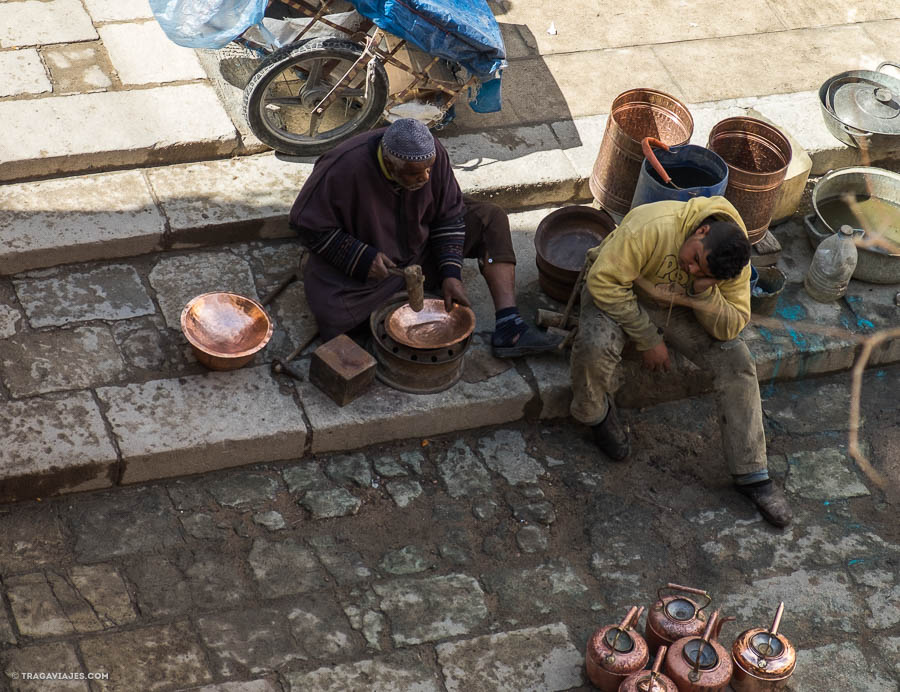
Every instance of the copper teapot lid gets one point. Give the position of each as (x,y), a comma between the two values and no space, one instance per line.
(765,653)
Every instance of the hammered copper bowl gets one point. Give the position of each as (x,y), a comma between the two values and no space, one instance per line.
(225,329)
(431,327)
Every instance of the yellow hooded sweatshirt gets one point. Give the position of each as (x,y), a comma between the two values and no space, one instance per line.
(644,249)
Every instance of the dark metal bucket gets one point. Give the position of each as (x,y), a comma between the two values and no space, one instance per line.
(757,155)
(635,114)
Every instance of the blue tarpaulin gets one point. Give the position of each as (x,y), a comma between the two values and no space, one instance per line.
(463,31)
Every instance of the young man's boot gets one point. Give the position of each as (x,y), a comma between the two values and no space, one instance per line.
(770,500)
(611,436)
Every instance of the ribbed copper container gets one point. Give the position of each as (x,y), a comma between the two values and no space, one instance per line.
(757,155)
(635,114)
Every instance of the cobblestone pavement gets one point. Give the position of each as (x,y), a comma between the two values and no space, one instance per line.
(470,562)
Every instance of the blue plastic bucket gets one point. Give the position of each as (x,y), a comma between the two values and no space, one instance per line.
(698,170)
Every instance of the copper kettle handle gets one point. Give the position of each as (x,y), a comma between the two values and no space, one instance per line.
(646,143)
(687,589)
(631,618)
(773,630)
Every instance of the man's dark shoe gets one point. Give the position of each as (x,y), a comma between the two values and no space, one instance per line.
(531,342)
(611,436)
(770,500)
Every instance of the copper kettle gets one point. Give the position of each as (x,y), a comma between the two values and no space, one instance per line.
(700,664)
(649,680)
(616,651)
(674,617)
(763,659)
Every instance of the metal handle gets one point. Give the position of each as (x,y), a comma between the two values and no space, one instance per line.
(773,630)
(857,133)
(657,662)
(646,143)
(687,589)
(885,64)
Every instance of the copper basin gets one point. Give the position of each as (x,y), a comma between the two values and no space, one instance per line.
(562,240)
(432,326)
(225,329)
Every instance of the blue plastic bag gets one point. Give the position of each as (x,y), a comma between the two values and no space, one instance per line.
(206,23)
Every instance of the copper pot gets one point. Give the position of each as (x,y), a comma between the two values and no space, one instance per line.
(674,617)
(763,659)
(700,664)
(616,651)
(649,680)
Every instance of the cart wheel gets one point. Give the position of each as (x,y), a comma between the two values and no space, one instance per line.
(280,98)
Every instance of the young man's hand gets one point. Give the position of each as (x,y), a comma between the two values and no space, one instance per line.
(700,285)
(454,292)
(380,265)
(657,358)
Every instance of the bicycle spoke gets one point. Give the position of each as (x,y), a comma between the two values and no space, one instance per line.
(314,119)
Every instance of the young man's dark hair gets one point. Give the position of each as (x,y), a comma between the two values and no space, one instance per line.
(728,248)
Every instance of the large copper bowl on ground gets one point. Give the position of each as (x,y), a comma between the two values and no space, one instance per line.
(562,240)
(432,326)
(225,329)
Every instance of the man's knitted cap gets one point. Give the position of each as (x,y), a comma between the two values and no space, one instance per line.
(408,140)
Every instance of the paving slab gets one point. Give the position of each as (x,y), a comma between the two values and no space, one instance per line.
(35,607)
(537,658)
(78,68)
(141,127)
(28,75)
(248,686)
(90,217)
(149,658)
(220,436)
(112,292)
(33,661)
(396,672)
(820,667)
(52,446)
(102,587)
(32,23)
(463,474)
(251,195)
(824,474)
(806,13)
(283,568)
(118,10)
(142,54)
(383,414)
(505,452)
(49,361)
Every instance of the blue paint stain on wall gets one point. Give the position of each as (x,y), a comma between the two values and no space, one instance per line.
(791,312)
(799,340)
(864,324)
(880,373)
(855,562)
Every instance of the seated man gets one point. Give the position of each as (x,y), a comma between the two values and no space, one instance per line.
(676,274)
(388,198)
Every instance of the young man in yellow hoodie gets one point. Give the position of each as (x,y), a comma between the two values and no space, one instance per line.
(676,274)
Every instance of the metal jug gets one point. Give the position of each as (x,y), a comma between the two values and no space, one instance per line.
(700,664)
(616,651)
(763,659)
(649,680)
(674,617)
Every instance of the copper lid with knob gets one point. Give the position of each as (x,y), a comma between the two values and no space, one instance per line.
(616,651)
(700,664)
(763,659)
(649,680)
(675,616)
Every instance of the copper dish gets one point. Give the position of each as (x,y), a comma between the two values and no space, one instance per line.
(431,327)
(225,329)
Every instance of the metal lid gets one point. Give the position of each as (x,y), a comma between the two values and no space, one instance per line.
(708,658)
(681,609)
(767,645)
(865,100)
(619,640)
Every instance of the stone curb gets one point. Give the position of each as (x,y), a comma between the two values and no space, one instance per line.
(248,198)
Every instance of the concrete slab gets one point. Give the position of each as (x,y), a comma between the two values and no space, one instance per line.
(33,23)
(76,219)
(48,361)
(141,417)
(250,195)
(825,474)
(809,13)
(885,33)
(541,174)
(580,141)
(78,68)
(118,10)
(396,672)
(178,279)
(53,446)
(495,661)
(142,54)
(23,72)
(782,62)
(115,129)
(34,658)
(112,292)
(819,668)
(383,414)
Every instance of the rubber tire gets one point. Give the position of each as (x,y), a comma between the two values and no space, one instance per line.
(280,60)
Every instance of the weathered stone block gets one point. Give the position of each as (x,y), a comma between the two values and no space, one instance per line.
(397,672)
(41,23)
(24,73)
(143,54)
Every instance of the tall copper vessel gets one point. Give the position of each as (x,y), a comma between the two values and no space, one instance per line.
(616,651)
(763,659)
(675,616)
(757,155)
(700,664)
(635,114)
(649,680)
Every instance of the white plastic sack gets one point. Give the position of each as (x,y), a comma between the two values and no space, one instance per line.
(206,23)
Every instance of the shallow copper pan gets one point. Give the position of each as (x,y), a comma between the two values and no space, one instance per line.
(431,327)
(225,329)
